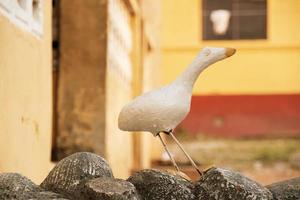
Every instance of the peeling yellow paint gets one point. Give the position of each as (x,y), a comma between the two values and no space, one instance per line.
(26,99)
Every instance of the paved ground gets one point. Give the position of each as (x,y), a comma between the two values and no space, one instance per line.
(264,160)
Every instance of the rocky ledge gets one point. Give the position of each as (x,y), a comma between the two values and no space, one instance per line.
(88,176)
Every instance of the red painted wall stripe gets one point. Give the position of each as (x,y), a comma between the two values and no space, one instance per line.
(244,115)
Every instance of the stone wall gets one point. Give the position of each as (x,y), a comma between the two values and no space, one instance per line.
(104,62)
(88,176)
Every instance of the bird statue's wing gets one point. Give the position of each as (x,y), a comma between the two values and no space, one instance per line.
(155,111)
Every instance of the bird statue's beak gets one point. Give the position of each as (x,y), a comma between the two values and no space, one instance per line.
(230,52)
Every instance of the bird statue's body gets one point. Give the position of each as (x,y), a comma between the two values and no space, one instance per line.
(163,109)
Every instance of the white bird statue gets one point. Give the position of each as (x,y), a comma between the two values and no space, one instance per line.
(161,110)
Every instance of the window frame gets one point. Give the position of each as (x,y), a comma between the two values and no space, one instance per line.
(202,27)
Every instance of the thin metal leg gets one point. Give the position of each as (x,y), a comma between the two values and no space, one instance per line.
(185,153)
(169,154)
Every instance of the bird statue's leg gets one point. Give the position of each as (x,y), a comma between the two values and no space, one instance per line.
(168,152)
(185,153)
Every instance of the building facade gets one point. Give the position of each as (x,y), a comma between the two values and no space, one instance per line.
(254,93)
(66,70)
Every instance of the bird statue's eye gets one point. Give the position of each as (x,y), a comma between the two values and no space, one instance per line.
(206,52)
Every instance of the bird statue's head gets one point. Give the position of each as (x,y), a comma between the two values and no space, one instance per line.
(213,54)
(206,57)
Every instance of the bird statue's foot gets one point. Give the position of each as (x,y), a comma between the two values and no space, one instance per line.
(199,171)
(209,167)
(167,132)
(168,152)
(186,154)
(181,174)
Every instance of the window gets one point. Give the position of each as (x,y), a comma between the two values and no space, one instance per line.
(26,14)
(234,19)
(23,4)
(119,40)
(5,6)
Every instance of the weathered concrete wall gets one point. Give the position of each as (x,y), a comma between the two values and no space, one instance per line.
(81,95)
(25,98)
(92,92)
(90,96)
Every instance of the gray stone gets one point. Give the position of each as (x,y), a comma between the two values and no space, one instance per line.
(46,195)
(16,186)
(110,189)
(69,175)
(286,190)
(223,184)
(160,185)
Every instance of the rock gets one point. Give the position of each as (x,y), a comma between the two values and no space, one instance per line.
(223,184)
(46,195)
(110,189)
(16,186)
(159,185)
(286,190)
(69,175)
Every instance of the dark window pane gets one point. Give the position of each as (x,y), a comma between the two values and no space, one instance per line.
(252,27)
(254,5)
(210,5)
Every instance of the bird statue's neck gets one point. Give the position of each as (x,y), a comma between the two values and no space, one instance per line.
(205,58)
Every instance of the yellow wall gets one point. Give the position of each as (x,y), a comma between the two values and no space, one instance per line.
(119,143)
(259,66)
(25,99)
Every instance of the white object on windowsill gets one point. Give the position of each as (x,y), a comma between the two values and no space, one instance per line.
(220,19)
